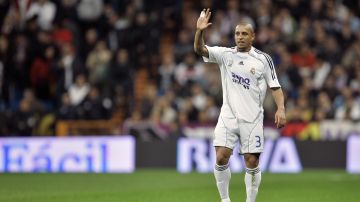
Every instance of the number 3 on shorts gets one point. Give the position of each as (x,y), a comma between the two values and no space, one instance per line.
(258,141)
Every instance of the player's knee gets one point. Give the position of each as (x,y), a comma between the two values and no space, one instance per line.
(222,159)
(252,161)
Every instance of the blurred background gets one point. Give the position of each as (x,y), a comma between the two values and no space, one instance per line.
(114,86)
(120,67)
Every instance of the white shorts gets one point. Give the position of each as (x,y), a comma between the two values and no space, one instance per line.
(250,135)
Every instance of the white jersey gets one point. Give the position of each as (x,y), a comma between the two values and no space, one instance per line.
(244,79)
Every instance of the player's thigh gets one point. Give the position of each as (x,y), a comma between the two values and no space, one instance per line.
(252,137)
(225,133)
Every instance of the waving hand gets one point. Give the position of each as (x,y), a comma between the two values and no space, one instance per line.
(203,20)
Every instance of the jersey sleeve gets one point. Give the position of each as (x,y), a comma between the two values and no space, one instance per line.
(215,54)
(270,73)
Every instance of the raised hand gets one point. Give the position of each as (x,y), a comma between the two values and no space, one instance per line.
(203,21)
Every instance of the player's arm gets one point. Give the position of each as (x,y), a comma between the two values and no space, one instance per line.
(280,118)
(201,25)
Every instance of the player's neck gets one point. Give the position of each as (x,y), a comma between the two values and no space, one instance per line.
(244,50)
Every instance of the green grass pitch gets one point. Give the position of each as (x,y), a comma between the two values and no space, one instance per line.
(170,186)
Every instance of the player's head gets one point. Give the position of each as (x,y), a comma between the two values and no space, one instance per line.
(244,36)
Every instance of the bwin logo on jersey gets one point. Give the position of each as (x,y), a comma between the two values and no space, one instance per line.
(245,82)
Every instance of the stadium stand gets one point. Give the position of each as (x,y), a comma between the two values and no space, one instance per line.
(73,67)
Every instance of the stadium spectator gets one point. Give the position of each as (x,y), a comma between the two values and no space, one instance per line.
(121,71)
(98,62)
(79,90)
(42,79)
(163,112)
(144,129)
(29,97)
(90,40)
(167,71)
(304,58)
(23,120)
(95,106)
(324,105)
(44,11)
(67,10)
(182,46)
(66,110)
(90,10)
(67,68)
(189,70)
(347,106)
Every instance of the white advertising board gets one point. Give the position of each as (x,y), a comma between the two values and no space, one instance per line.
(67,154)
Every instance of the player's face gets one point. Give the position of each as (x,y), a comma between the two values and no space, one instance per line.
(244,37)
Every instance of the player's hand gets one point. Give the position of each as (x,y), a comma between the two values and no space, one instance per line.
(203,21)
(280,118)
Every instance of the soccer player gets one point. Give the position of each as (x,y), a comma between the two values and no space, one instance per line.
(245,74)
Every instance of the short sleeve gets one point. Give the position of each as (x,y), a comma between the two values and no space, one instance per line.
(215,54)
(270,73)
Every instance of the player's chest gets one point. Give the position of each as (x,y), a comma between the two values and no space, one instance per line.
(244,65)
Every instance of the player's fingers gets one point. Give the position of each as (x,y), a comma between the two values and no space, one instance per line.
(203,13)
(207,12)
(281,125)
(277,121)
(282,122)
(208,16)
(208,24)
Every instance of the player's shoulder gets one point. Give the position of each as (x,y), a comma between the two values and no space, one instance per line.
(260,54)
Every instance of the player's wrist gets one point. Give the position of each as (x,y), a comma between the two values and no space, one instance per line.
(281,108)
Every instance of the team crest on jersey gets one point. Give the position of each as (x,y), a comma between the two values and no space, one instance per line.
(241,63)
(252,71)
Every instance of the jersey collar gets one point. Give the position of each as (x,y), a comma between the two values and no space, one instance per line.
(251,50)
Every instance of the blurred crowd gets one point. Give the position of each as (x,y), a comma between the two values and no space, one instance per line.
(79,59)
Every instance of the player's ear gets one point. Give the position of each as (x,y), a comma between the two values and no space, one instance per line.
(253,37)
